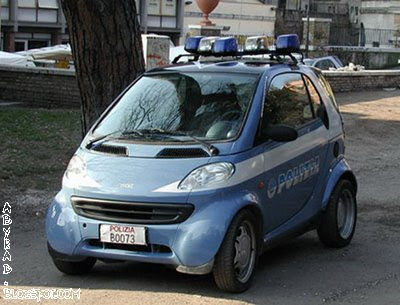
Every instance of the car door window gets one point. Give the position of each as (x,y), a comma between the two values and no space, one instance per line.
(326,88)
(314,96)
(287,102)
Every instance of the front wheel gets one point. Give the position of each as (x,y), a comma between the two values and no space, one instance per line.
(75,268)
(236,259)
(338,222)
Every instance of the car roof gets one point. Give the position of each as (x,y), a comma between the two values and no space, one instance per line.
(246,65)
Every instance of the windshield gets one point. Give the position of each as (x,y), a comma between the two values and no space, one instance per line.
(208,106)
(309,62)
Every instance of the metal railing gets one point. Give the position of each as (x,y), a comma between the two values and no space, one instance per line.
(344,36)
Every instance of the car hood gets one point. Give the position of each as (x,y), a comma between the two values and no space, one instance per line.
(132,178)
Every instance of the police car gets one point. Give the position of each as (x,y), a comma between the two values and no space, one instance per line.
(203,165)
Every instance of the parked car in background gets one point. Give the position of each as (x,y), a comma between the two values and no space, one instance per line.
(324,63)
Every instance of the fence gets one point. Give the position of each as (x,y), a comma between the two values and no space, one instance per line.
(345,36)
(381,38)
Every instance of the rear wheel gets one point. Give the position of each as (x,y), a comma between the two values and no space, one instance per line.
(236,259)
(338,222)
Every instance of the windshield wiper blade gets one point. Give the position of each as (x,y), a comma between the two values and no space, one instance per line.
(103,137)
(109,135)
(211,149)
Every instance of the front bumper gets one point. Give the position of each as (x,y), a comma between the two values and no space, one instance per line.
(189,246)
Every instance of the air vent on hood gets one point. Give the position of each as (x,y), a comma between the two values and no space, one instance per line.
(182,153)
(111,149)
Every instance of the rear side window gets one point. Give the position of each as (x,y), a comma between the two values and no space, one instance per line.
(314,96)
(287,102)
(327,88)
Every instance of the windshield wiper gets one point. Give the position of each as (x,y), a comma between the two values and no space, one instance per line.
(90,143)
(109,135)
(211,149)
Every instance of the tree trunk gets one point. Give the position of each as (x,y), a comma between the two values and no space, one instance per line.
(107,47)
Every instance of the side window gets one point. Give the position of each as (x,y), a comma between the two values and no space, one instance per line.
(287,102)
(325,64)
(327,88)
(314,96)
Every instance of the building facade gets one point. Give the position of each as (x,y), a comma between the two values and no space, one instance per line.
(383,15)
(239,17)
(27,24)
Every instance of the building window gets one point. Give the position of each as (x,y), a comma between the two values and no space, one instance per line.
(20,45)
(38,11)
(27,14)
(47,16)
(52,4)
(5,11)
(162,13)
(162,8)
(27,3)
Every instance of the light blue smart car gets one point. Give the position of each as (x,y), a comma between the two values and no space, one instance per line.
(203,165)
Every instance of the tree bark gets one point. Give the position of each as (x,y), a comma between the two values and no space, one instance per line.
(107,48)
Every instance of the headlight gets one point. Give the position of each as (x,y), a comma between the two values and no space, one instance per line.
(207,176)
(76,168)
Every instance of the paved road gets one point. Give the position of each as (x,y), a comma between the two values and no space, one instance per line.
(299,272)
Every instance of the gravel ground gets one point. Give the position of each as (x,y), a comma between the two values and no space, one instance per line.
(299,272)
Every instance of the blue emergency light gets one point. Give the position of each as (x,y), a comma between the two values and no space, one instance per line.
(225,46)
(287,44)
(228,46)
(192,44)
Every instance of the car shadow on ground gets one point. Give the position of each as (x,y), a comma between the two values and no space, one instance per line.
(278,270)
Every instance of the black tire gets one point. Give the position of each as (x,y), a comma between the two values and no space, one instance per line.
(337,227)
(226,275)
(75,268)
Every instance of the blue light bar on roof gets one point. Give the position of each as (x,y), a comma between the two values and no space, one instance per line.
(288,43)
(225,46)
(192,44)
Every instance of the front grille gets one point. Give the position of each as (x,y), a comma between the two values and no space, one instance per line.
(131,212)
(182,153)
(150,248)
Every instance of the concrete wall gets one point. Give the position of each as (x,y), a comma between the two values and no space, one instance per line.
(55,88)
(343,81)
(39,87)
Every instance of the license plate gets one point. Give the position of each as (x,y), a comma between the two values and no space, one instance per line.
(127,235)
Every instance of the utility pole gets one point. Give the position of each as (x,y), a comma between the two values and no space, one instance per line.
(308,28)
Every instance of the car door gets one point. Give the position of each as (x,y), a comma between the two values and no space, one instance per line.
(292,169)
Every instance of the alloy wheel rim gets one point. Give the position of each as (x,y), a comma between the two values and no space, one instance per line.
(345,214)
(245,254)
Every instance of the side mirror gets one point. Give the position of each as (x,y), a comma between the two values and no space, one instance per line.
(280,133)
